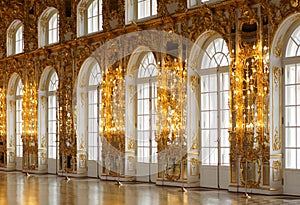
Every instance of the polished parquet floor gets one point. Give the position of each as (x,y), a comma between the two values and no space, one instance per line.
(16,188)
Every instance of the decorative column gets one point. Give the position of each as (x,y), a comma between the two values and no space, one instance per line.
(249,127)
(171,122)
(3,137)
(29,135)
(112,126)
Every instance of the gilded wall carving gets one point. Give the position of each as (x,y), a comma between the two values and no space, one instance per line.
(68,55)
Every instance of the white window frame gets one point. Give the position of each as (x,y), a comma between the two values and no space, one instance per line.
(45,29)
(94,102)
(52,107)
(19,119)
(83,17)
(220,143)
(291,101)
(132,10)
(146,79)
(14,44)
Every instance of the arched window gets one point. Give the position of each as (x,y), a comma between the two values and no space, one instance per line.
(195,3)
(93,103)
(292,101)
(214,92)
(19,119)
(90,17)
(15,41)
(146,106)
(139,9)
(48,27)
(52,115)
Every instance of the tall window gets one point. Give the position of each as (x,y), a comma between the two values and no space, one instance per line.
(48,27)
(94,16)
(93,104)
(292,101)
(15,42)
(90,18)
(139,9)
(19,120)
(146,106)
(214,92)
(52,115)
(53,29)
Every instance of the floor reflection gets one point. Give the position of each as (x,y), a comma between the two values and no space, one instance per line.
(16,188)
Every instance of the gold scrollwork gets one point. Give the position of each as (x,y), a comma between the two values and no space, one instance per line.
(43,100)
(250,174)
(194,167)
(194,145)
(131,163)
(131,143)
(12,158)
(194,83)
(43,141)
(294,3)
(277,171)
(82,161)
(278,48)
(276,140)
(131,92)
(276,76)
(43,158)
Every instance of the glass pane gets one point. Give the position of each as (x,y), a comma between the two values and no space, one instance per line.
(206,61)
(140,154)
(205,101)
(290,158)
(290,137)
(224,119)
(213,138)
(290,95)
(146,155)
(298,138)
(291,48)
(204,120)
(218,58)
(154,7)
(140,139)
(298,116)
(298,94)
(148,66)
(213,154)
(224,138)
(213,83)
(140,123)
(213,119)
(224,81)
(90,25)
(205,156)
(140,107)
(213,101)
(146,106)
(225,156)
(154,155)
(224,99)
(290,74)
(146,122)
(205,138)
(204,84)
(298,158)
(290,116)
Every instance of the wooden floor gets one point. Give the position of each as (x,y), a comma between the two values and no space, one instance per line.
(16,188)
